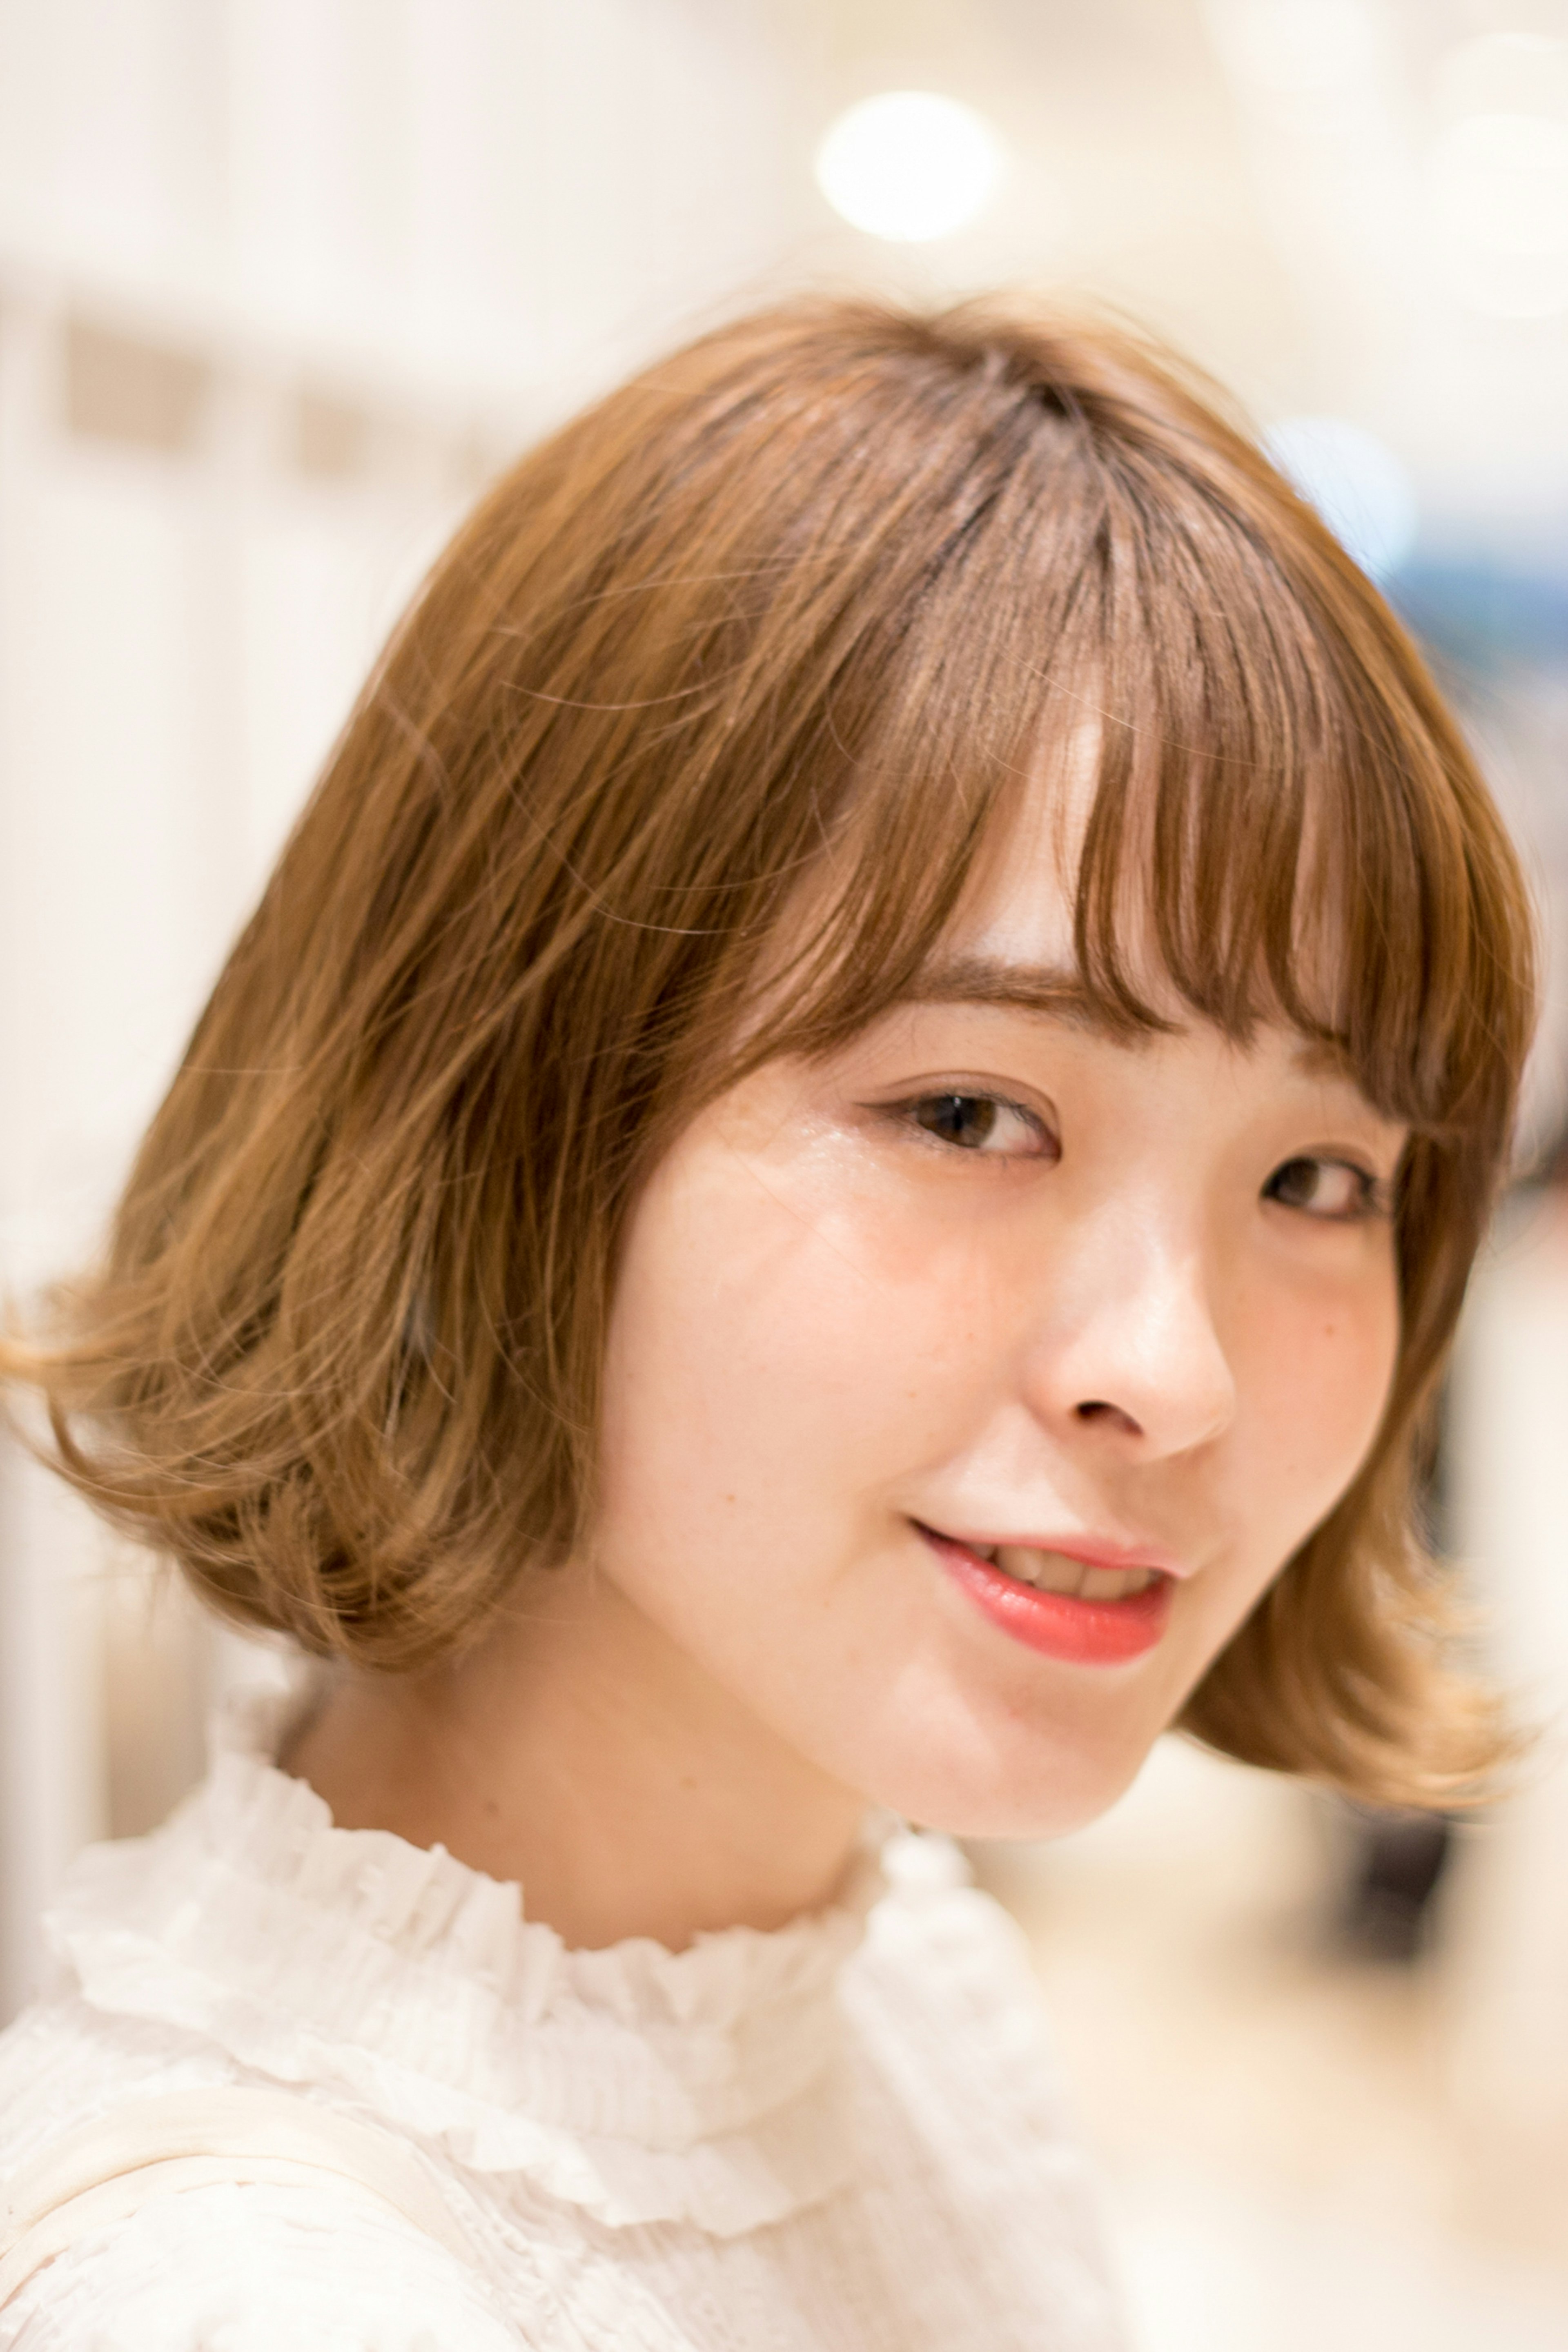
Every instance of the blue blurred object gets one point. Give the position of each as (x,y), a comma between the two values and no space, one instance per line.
(1357,484)
(1483,612)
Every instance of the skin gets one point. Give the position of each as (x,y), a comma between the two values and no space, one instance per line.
(988,1270)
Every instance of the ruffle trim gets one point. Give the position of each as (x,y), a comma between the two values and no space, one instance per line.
(637,2084)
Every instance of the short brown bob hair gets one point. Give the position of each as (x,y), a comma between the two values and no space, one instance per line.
(799,605)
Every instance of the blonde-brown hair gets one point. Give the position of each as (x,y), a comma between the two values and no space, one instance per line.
(798,604)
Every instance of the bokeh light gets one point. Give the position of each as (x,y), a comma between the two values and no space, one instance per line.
(1357,484)
(1503,73)
(1498,174)
(1500,198)
(1294,47)
(910,165)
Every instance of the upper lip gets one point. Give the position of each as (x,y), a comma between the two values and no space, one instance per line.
(1093,1551)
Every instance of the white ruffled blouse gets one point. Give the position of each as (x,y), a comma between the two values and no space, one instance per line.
(841,2137)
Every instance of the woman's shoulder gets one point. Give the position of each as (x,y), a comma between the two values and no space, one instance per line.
(254,2266)
(251,2264)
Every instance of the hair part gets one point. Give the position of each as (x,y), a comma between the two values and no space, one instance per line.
(788,621)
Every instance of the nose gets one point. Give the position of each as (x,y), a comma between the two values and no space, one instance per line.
(1129,1348)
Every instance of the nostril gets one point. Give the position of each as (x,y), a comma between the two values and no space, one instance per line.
(1098,1409)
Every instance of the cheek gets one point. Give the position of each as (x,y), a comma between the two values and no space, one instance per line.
(735,1352)
(784,1341)
(1312,1368)
(1318,1368)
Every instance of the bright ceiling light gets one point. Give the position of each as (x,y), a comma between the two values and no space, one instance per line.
(1502,182)
(910,165)
(1358,486)
(1503,73)
(1294,47)
(1499,173)
(1499,190)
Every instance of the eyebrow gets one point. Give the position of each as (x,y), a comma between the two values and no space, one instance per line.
(1057,991)
(1326,1057)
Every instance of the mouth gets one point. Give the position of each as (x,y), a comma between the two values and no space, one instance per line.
(1053,1602)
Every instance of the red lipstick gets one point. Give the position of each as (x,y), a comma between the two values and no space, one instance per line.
(1059,1624)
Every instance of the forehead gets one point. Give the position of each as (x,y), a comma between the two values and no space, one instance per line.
(1212,860)
(1013,935)
(1148,868)
(1012,942)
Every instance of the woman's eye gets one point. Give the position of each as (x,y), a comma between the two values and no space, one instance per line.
(978,1123)
(1331,1189)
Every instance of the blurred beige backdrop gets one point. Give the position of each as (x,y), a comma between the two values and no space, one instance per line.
(282,282)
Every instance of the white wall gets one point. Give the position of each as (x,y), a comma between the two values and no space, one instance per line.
(281,281)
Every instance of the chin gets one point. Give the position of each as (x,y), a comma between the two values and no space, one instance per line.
(1043,1795)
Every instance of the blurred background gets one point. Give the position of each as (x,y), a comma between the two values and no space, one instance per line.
(282,283)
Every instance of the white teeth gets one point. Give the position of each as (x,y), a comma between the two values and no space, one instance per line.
(1052,1572)
(1115,1584)
(1047,1571)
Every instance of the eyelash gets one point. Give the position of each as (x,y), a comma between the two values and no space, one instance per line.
(906,1114)
(1373,1196)
(1371,1200)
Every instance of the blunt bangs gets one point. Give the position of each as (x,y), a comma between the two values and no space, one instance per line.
(1282,825)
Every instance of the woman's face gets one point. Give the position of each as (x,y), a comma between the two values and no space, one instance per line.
(965,1392)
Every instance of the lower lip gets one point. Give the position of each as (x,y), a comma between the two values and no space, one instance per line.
(1059,1625)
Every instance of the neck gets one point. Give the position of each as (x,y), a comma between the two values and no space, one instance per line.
(576,1751)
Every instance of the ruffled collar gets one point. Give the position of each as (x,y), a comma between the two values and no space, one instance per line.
(639,2084)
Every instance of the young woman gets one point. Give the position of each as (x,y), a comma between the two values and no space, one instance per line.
(830,1183)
